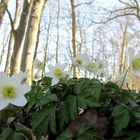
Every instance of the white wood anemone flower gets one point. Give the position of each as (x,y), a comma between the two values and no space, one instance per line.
(58,72)
(22,75)
(38,64)
(100,64)
(134,60)
(81,61)
(12,91)
(91,66)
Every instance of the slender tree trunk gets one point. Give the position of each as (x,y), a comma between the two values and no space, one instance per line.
(57,42)
(47,41)
(3,5)
(31,38)
(3,48)
(73,34)
(9,52)
(122,57)
(12,37)
(19,35)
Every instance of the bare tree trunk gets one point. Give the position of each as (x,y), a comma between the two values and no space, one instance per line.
(31,38)
(3,5)
(73,34)
(9,52)
(57,42)
(19,35)
(12,36)
(122,55)
(3,48)
(47,41)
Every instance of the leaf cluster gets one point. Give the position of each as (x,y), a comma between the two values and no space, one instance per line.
(77,109)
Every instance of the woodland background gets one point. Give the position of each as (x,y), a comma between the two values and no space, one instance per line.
(56,30)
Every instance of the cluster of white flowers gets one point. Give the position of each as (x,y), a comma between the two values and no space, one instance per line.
(82,61)
(12,90)
(97,67)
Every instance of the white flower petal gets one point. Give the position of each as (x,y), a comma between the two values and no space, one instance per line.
(3,103)
(54,81)
(64,66)
(18,101)
(16,79)
(23,89)
(50,73)
(50,67)
(85,59)
(58,65)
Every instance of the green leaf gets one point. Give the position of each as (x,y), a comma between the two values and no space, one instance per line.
(118,110)
(47,99)
(88,133)
(87,101)
(66,135)
(96,89)
(82,102)
(6,133)
(121,117)
(72,105)
(63,115)
(81,85)
(24,130)
(111,85)
(17,136)
(136,113)
(44,119)
(30,105)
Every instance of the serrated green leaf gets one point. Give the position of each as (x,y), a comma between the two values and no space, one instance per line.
(52,122)
(72,105)
(81,85)
(111,85)
(47,99)
(96,89)
(82,102)
(63,115)
(6,133)
(66,135)
(121,117)
(17,136)
(88,133)
(30,105)
(43,119)
(118,110)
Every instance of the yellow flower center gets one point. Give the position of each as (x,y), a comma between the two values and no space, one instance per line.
(39,64)
(8,91)
(101,66)
(58,72)
(136,64)
(91,66)
(102,74)
(79,62)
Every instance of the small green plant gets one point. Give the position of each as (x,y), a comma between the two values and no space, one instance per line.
(76,109)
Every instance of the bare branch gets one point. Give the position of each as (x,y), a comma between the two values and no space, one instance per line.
(125,3)
(117,16)
(83,3)
(10,17)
